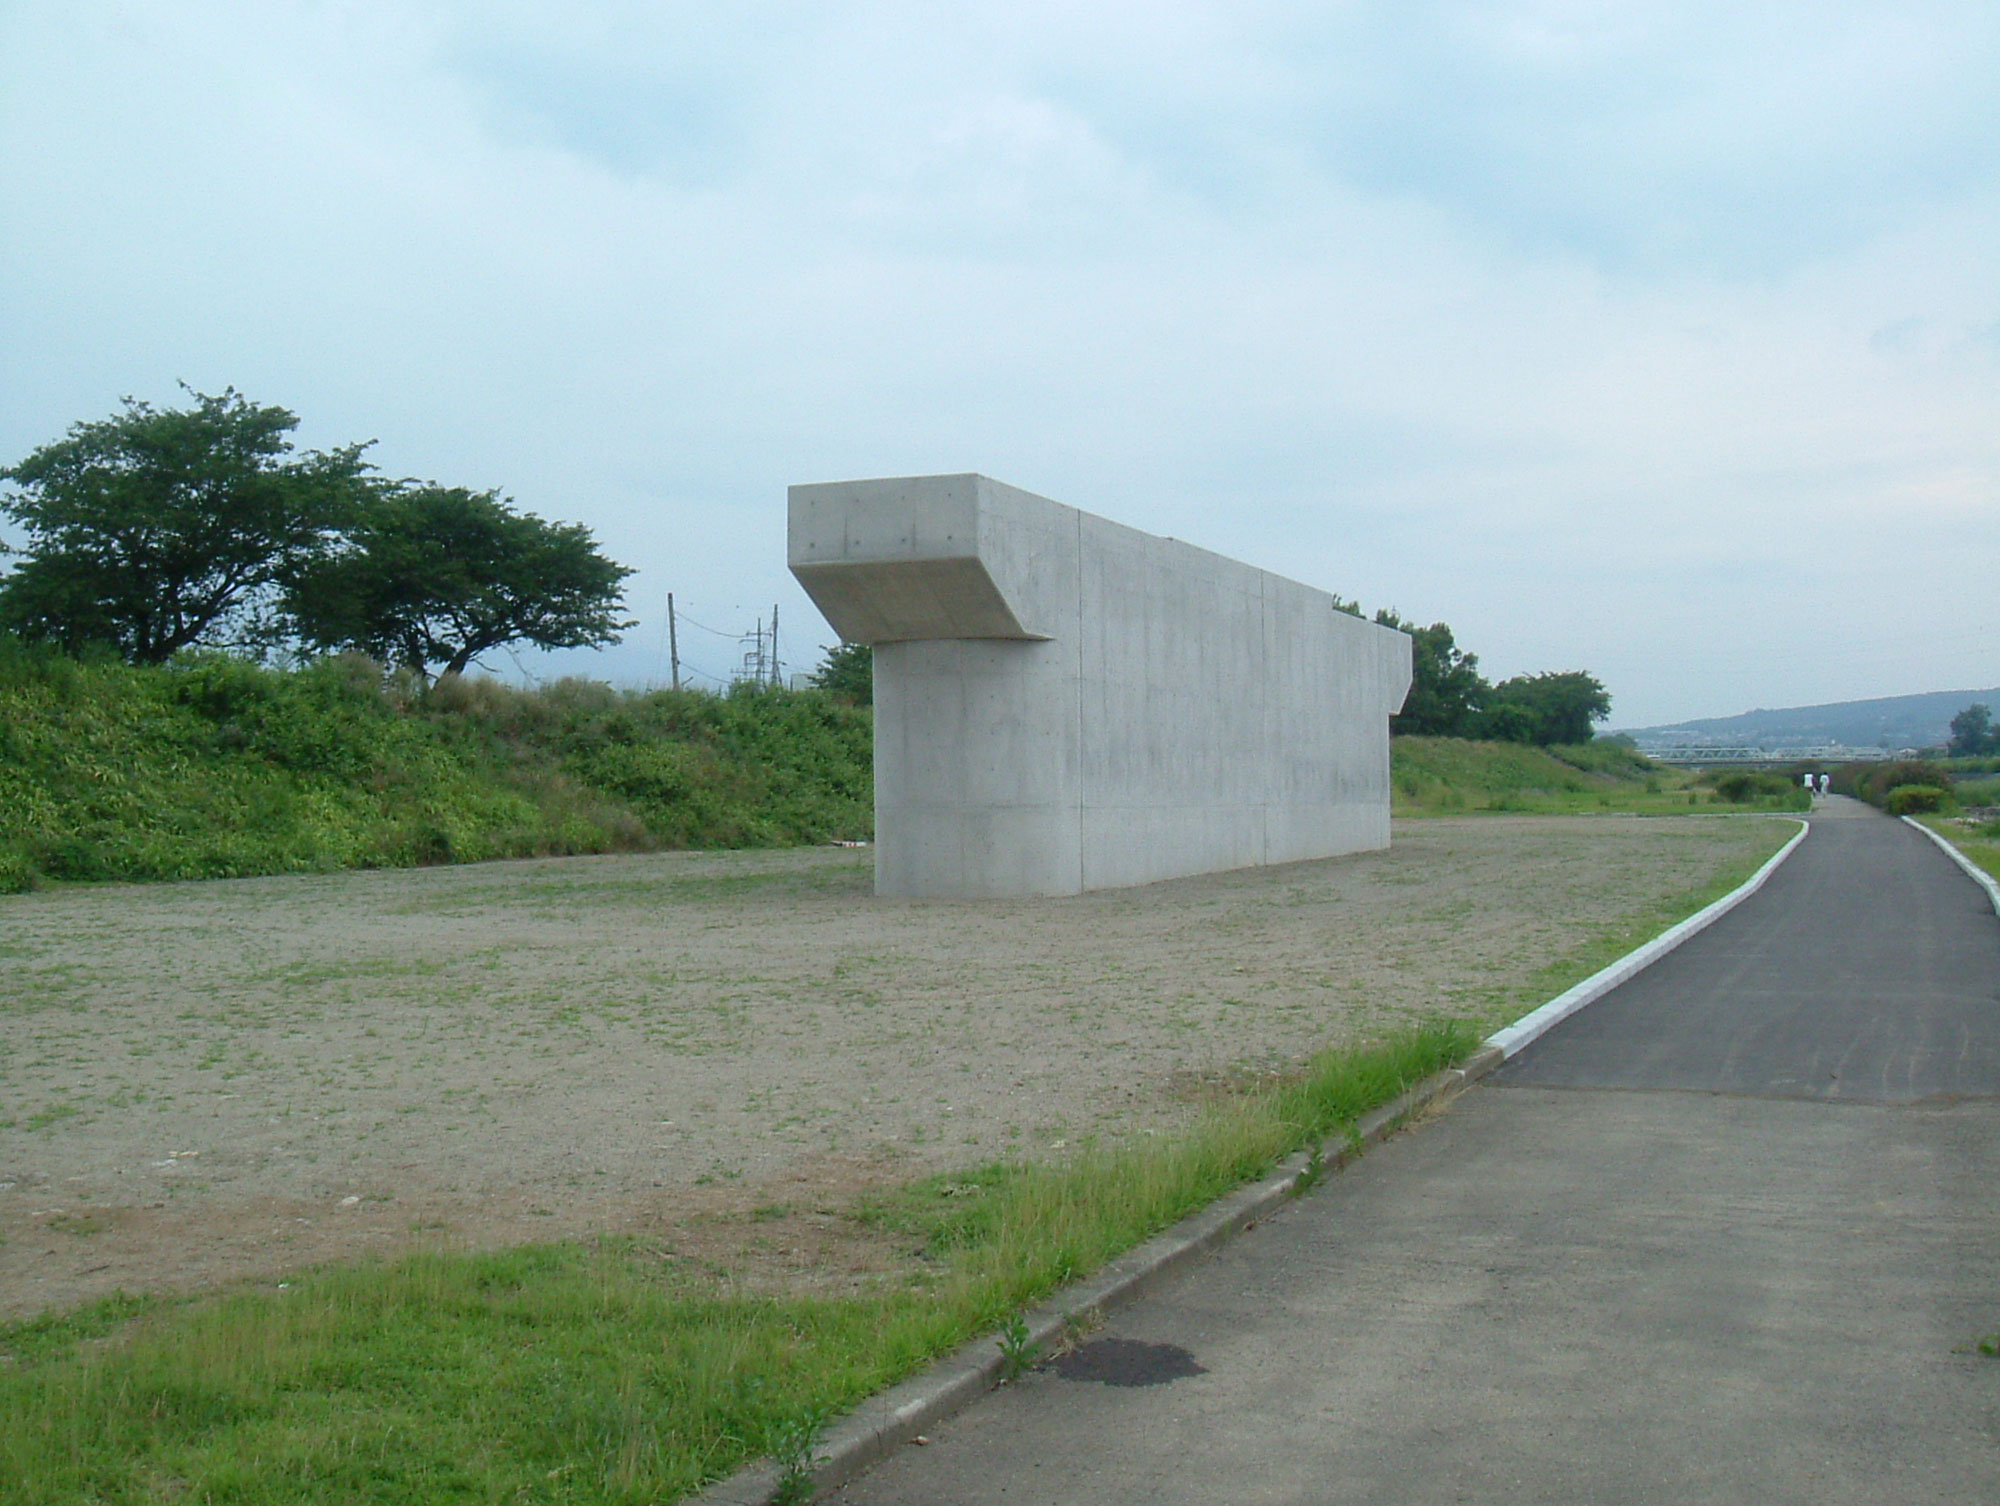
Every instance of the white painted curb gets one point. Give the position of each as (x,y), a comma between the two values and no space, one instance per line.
(1973,871)
(1531,1026)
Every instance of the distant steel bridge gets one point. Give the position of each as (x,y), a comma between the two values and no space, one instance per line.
(1832,753)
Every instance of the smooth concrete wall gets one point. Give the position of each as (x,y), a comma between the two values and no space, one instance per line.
(1063,703)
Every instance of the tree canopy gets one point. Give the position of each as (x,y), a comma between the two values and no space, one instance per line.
(160,529)
(849,672)
(438,575)
(1973,732)
(1446,691)
(1557,707)
(1450,698)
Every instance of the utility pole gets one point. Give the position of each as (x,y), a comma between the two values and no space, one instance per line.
(673,641)
(776,679)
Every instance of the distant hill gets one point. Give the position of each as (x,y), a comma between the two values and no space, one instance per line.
(1899,721)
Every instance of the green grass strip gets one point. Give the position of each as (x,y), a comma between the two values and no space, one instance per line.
(1980,844)
(598,1372)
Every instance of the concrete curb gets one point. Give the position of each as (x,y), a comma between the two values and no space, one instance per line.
(885,1423)
(1532,1026)
(1973,871)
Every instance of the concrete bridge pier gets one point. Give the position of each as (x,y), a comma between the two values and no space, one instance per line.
(1063,703)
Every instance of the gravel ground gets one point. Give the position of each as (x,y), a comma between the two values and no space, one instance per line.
(200,1082)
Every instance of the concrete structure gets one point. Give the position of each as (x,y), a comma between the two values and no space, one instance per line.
(1062,703)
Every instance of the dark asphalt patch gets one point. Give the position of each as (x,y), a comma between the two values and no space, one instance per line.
(1128,1362)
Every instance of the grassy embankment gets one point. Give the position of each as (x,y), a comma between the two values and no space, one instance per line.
(600,1372)
(214,768)
(1448,776)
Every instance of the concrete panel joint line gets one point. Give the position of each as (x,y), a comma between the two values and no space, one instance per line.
(1063,703)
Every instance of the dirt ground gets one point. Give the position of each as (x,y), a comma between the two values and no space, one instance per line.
(202,1082)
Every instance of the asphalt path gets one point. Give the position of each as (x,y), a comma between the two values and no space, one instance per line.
(1730,1234)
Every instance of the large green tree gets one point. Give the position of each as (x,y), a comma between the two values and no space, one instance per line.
(163,528)
(437,575)
(1446,691)
(1557,707)
(1973,733)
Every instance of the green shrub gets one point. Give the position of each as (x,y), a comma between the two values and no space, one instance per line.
(17,871)
(1917,800)
(1759,787)
(1874,782)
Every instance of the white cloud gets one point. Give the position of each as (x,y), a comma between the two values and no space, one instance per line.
(1654,341)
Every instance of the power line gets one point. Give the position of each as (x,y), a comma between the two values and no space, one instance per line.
(707,629)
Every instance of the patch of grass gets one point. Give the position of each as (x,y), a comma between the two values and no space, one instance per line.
(549,1374)
(55,1335)
(54,1114)
(603,1372)
(1973,793)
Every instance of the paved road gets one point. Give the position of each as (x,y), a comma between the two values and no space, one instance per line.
(1729,1235)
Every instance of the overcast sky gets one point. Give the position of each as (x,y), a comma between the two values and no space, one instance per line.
(1657,340)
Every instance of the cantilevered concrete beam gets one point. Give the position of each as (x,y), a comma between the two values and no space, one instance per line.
(1063,703)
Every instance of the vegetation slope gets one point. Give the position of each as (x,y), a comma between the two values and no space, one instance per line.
(212,767)
(1449,775)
